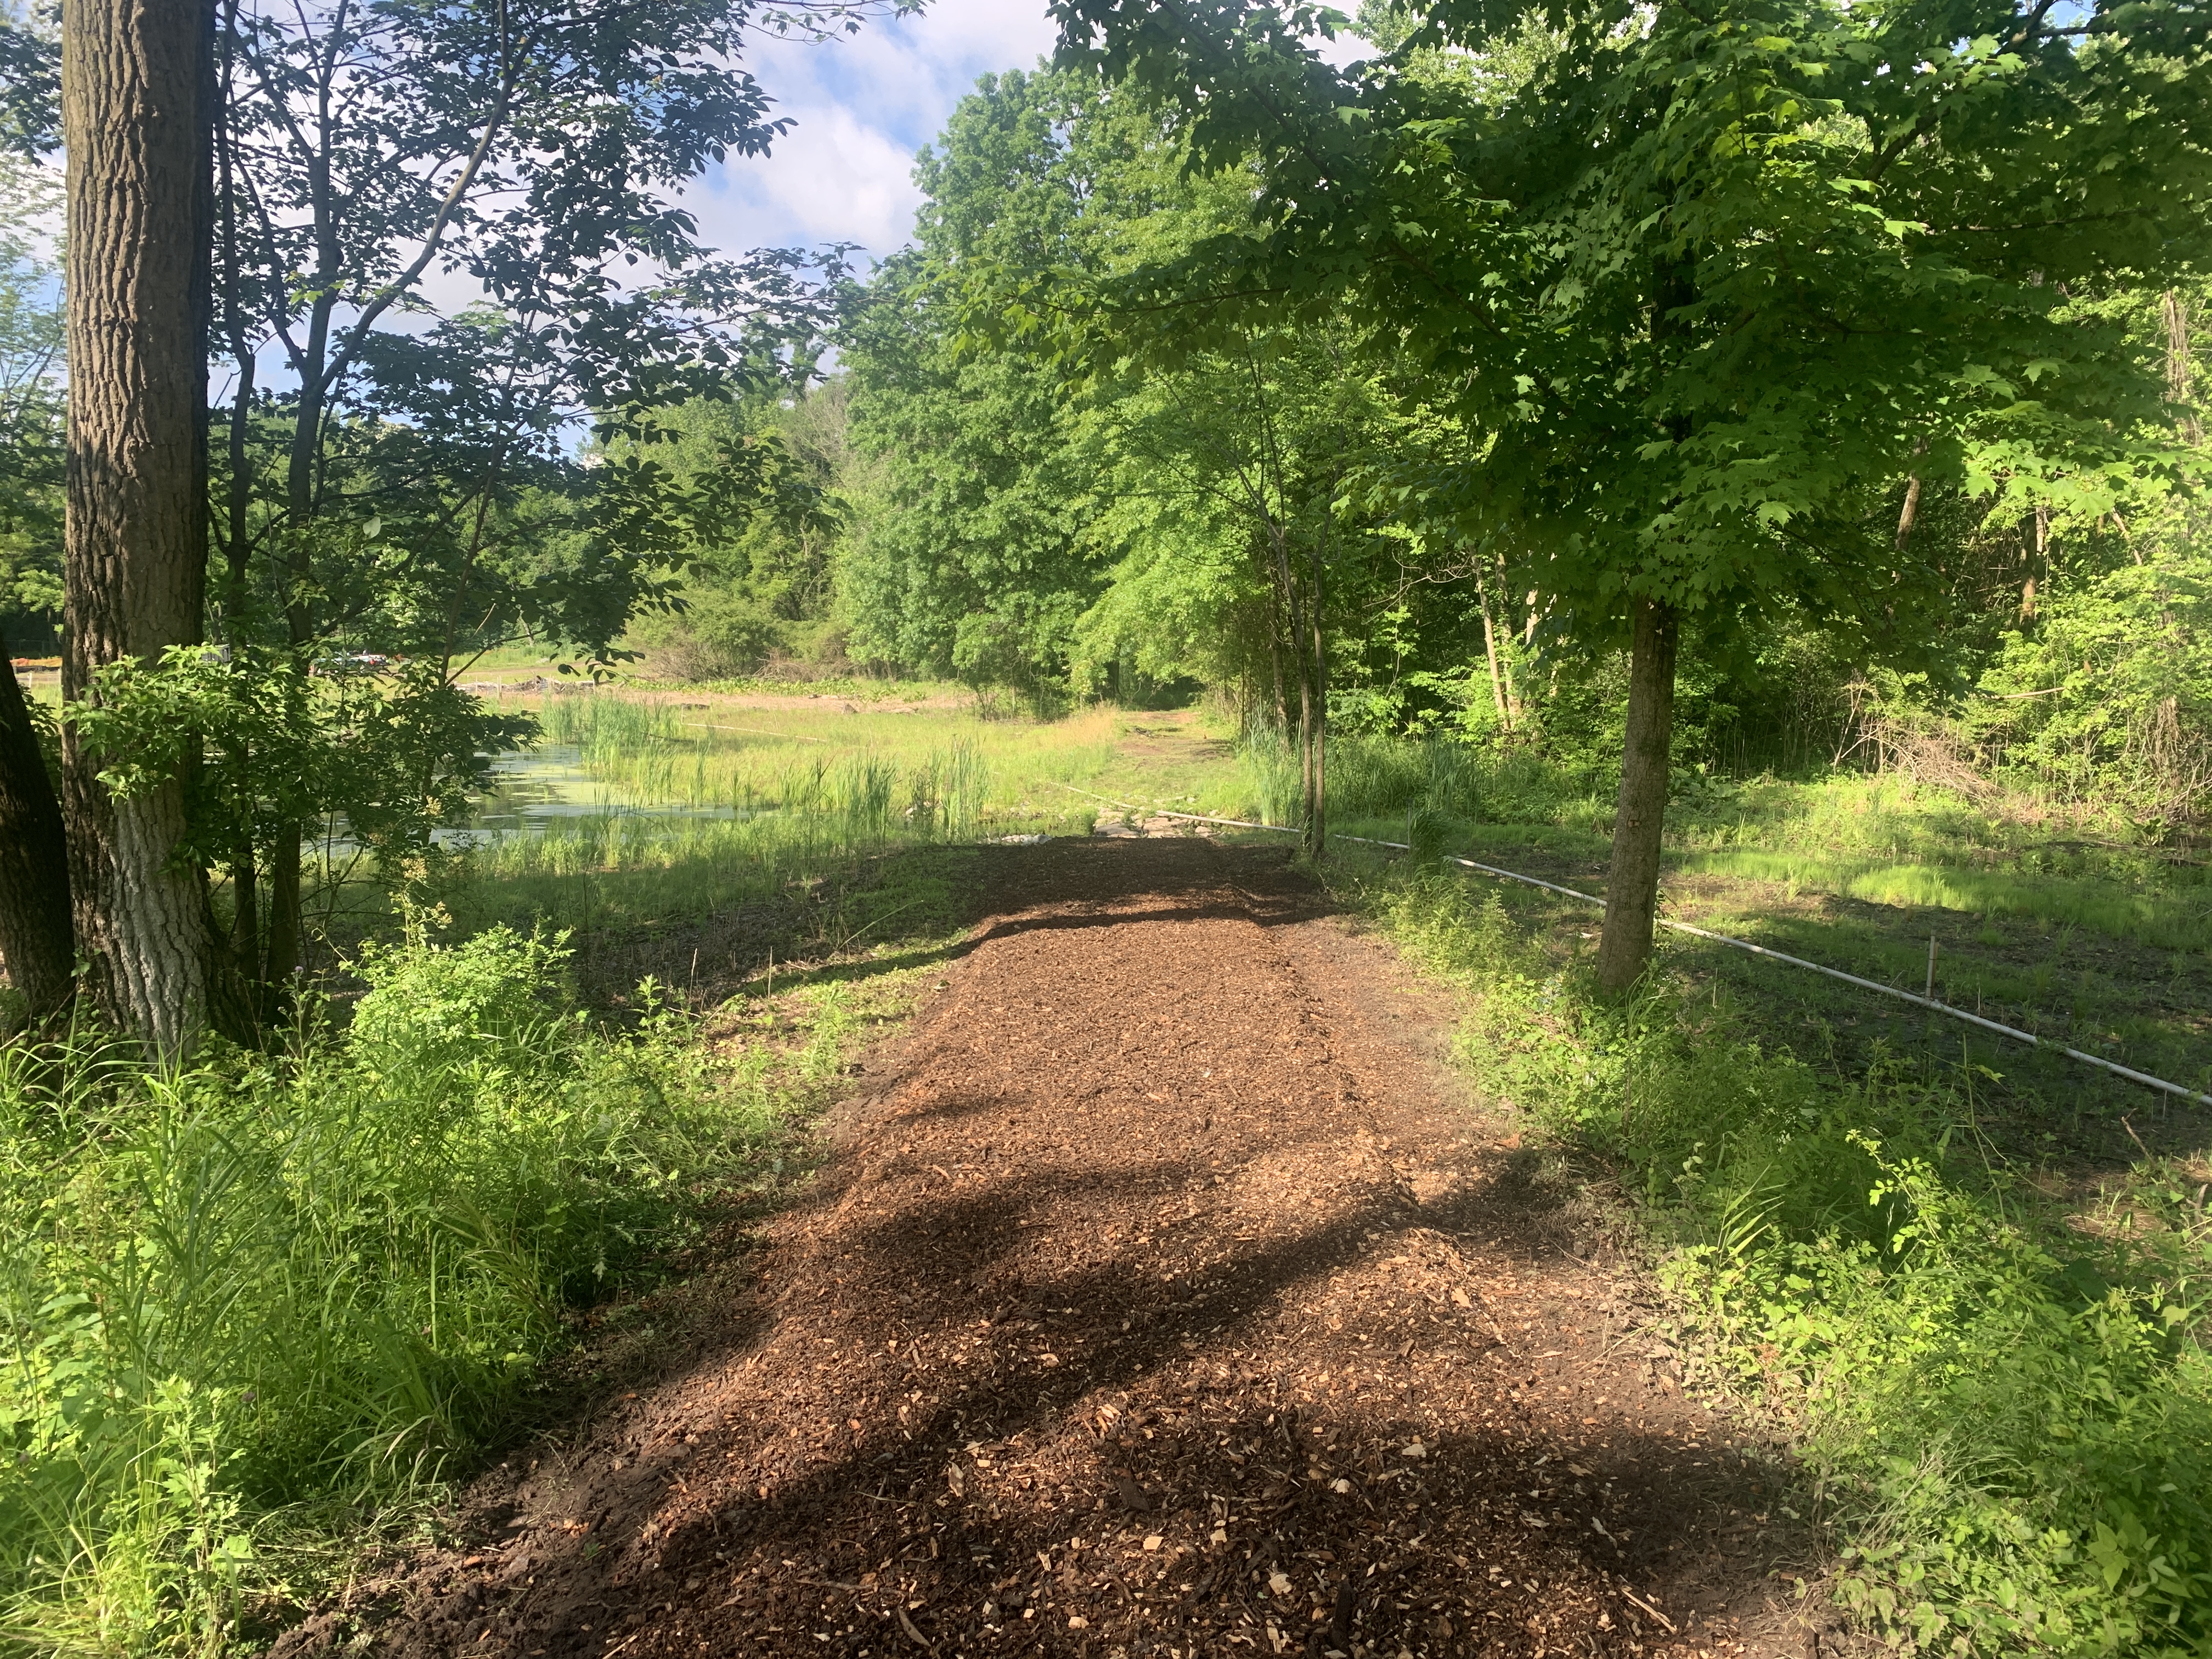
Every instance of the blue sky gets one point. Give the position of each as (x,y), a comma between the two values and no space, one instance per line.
(863,105)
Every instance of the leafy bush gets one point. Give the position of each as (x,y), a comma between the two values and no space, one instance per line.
(2111,694)
(2012,1418)
(261,1287)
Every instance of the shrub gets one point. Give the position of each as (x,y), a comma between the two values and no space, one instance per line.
(258,1288)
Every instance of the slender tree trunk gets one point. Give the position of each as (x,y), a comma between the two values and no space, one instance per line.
(2041,550)
(135,116)
(1490,650)
(1909,514)
(286,929)
(246,911)
(1515,712)
(1275,662)
(1314,678)
(1631,903)
(35,936)
(1306,747)
(1632,892)
(2175,317)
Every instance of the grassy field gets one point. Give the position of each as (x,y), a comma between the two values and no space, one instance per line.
(819,793)
(2101,944)
(1971,1279)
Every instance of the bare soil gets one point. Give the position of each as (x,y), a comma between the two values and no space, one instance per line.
(1161,1294)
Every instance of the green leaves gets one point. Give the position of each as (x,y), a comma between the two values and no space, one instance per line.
(264,744)
(30,79)
(1751,230)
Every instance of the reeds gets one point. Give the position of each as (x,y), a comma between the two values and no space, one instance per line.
(864,779)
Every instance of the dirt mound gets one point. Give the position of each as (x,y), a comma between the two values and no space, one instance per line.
(1161,1299)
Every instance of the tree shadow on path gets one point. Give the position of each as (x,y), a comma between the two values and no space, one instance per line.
(1158,1302)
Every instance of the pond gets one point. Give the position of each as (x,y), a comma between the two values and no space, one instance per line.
(535,789)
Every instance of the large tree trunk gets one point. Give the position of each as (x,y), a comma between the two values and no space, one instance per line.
(35,891)
(136,99)
(1631,890)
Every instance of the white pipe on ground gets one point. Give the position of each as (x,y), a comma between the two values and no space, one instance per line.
(1929,1002)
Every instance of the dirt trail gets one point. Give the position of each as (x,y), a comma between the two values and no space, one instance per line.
(1159,1298)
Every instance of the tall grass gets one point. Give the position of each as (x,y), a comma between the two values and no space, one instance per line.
(2009,1407)
(1380,779)
(868,776)
(265,1294)
(812,796)
(1268,768)
(1386,778)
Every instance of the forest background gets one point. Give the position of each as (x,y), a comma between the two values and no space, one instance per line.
(1060,519)
(1566,421)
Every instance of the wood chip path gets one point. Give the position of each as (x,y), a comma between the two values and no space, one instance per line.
(1163,1296)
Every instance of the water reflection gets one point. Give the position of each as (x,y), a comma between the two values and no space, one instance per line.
(537,788)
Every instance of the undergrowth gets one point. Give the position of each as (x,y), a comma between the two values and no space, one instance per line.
(1882,839)
(256,1305)
(2008,1417)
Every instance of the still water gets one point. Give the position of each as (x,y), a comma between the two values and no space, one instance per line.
(537,788)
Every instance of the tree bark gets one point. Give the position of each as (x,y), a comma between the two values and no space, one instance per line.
(1306,753)
(1490,650)
(1909,514)
(1317,735)
(1632,892)
(2174,314)
(36,938)
(135,85)
(2036,561)
(286,926)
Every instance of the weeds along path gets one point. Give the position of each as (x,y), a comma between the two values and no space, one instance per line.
(1156,1299)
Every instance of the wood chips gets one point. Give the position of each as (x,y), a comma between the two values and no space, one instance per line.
(1162,1296)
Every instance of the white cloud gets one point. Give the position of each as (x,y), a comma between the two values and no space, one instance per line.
(862,107)
(1344,51)
(833,179)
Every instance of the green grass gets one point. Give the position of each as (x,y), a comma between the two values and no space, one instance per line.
(847,687)
(821,797)
(1883,840)
(256,1309)
(947,775)
(2002,1390)
(2177,918)
(2104,946)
